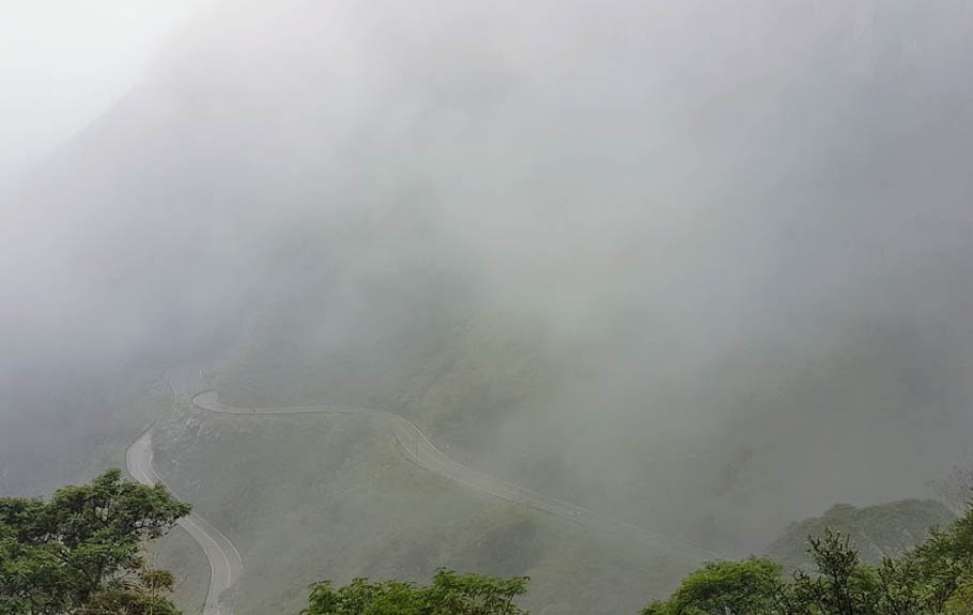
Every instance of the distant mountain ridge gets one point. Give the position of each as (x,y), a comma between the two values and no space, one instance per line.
(879,531)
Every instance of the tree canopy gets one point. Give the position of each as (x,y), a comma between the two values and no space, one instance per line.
(450,593)
(935,578)
(80,552)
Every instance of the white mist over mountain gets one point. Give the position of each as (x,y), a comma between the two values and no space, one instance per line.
(63,63)
(704,265)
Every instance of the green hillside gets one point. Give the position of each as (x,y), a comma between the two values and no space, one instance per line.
(880,531)
(312,497)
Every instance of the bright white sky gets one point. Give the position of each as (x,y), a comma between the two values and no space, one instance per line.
(64,62)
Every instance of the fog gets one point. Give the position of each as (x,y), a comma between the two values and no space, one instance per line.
(653,257)
(62,64)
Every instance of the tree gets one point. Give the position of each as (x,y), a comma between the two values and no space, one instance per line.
(143,595)
(450,594)
(842,585)
(725,588)
(365,598)
(82,550)
(474,594)
(935,578)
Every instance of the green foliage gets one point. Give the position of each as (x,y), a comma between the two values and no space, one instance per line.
(145,595)
(724,587)
(450,594)
(842,586)
(935,578)
(80,552)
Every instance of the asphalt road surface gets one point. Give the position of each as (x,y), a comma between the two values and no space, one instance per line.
(224,559)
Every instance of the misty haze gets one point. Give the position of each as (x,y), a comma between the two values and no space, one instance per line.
(503,307)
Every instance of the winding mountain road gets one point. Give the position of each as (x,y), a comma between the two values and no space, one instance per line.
(224,559)
(226,563)
(417,448)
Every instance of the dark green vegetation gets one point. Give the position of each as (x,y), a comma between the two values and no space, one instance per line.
(934,578)
(449,594)
(80,552)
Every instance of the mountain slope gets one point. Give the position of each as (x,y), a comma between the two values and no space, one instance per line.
(880,531)
(652,258)
(338,491)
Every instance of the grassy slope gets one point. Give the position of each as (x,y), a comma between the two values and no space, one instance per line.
(307,498)
(179,553)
